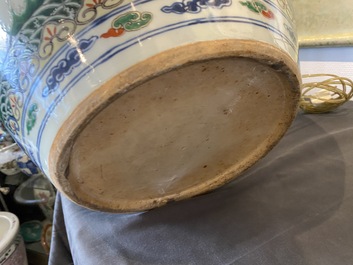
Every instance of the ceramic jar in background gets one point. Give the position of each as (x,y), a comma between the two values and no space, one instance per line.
(12,248)
(9,150)
(127,105)
(26,165)
(8,156)
(39,191)
(13,160)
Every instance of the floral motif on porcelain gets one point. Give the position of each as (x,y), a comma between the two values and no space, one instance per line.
(47,56)
(40,32)
(259,8)
(130,21)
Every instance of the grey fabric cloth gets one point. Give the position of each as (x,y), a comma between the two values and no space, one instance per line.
(295,206)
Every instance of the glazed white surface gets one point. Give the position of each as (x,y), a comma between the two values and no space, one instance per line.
(9,226)
(164,32)
(145,48)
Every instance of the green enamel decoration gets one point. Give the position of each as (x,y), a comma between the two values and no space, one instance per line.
(132,21)
(20,17)
(32,117)
(50,11)
(256,7)
(260,6)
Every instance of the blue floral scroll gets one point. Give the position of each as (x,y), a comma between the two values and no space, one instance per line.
(65,66)
(195,6)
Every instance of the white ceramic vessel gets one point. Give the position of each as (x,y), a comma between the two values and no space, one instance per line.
(127,105)
(37,190)
(12,249)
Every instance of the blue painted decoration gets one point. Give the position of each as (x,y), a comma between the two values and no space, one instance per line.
(65,66)
(27,166)
(195,6)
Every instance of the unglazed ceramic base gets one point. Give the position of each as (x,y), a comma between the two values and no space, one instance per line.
(70,65)
(192,120)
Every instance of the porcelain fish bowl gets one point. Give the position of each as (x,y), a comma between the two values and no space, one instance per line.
(128,105)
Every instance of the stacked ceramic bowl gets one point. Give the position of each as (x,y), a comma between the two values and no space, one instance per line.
(12,249)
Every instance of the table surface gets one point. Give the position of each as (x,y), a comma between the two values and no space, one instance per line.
(295,206)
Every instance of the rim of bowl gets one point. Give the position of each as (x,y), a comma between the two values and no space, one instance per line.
(11,233)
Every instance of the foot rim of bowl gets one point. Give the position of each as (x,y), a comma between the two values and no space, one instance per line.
(138,74)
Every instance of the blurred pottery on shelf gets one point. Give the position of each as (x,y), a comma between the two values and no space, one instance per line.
(8,154)
(5,137)
(26,165)
(46,237)
(12,248)
(37,190)
(31,231)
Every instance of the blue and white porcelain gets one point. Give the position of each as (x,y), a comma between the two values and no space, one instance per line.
(26,165)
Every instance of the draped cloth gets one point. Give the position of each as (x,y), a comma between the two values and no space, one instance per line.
(295,206)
